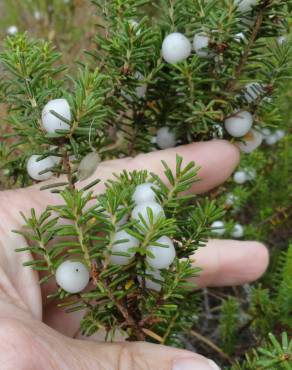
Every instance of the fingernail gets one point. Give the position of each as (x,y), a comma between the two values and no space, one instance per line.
(194,364)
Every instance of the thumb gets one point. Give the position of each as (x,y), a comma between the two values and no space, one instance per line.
(138,356)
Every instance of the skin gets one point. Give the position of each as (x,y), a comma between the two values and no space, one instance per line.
(34,335)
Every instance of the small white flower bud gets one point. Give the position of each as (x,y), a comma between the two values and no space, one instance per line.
(176,47)
(72,276)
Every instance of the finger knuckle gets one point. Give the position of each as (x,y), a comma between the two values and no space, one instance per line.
(18,346)
(131,358)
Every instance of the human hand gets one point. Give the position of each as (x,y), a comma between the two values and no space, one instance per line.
(34,334)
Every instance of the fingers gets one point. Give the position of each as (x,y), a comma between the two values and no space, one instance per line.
(224,263)
(230,262)
(140,356)
(217,159)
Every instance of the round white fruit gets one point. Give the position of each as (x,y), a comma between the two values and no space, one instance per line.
(240,177)
(142,209)
(218,227)
(231,199)
(200,44)
(163,256)
(266,132)
(240,124)
(271,139)
(165,138)
(245,5)
(253,91)
(72,276)
(35,166)
(239,37)
(135,26)
(281,40)
(176,47)
(50,122)
(122,243)
(251,174)
(238,231)
(280,134)
(251,141)
(144,193)
(150,284)
(57,160)
(12,30)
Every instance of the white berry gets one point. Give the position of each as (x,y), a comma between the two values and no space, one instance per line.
(251,141)
(12,30)
(50,122)
(57,160)
(72,276)
(266,132)
(218,227)
(163,256)
(238,231)
(200,44)
(35,166)
(253,91)
(240,177)
(37,15)
(281,40)
(142,88)
(176,47)
(144,193)
(135,26)
(251,174)
(150,284)
(239,37)
(123,241)
(280,134)
(239,124)
(142,209)
(165,138)
(231,199)
(245,5)
(271,139)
